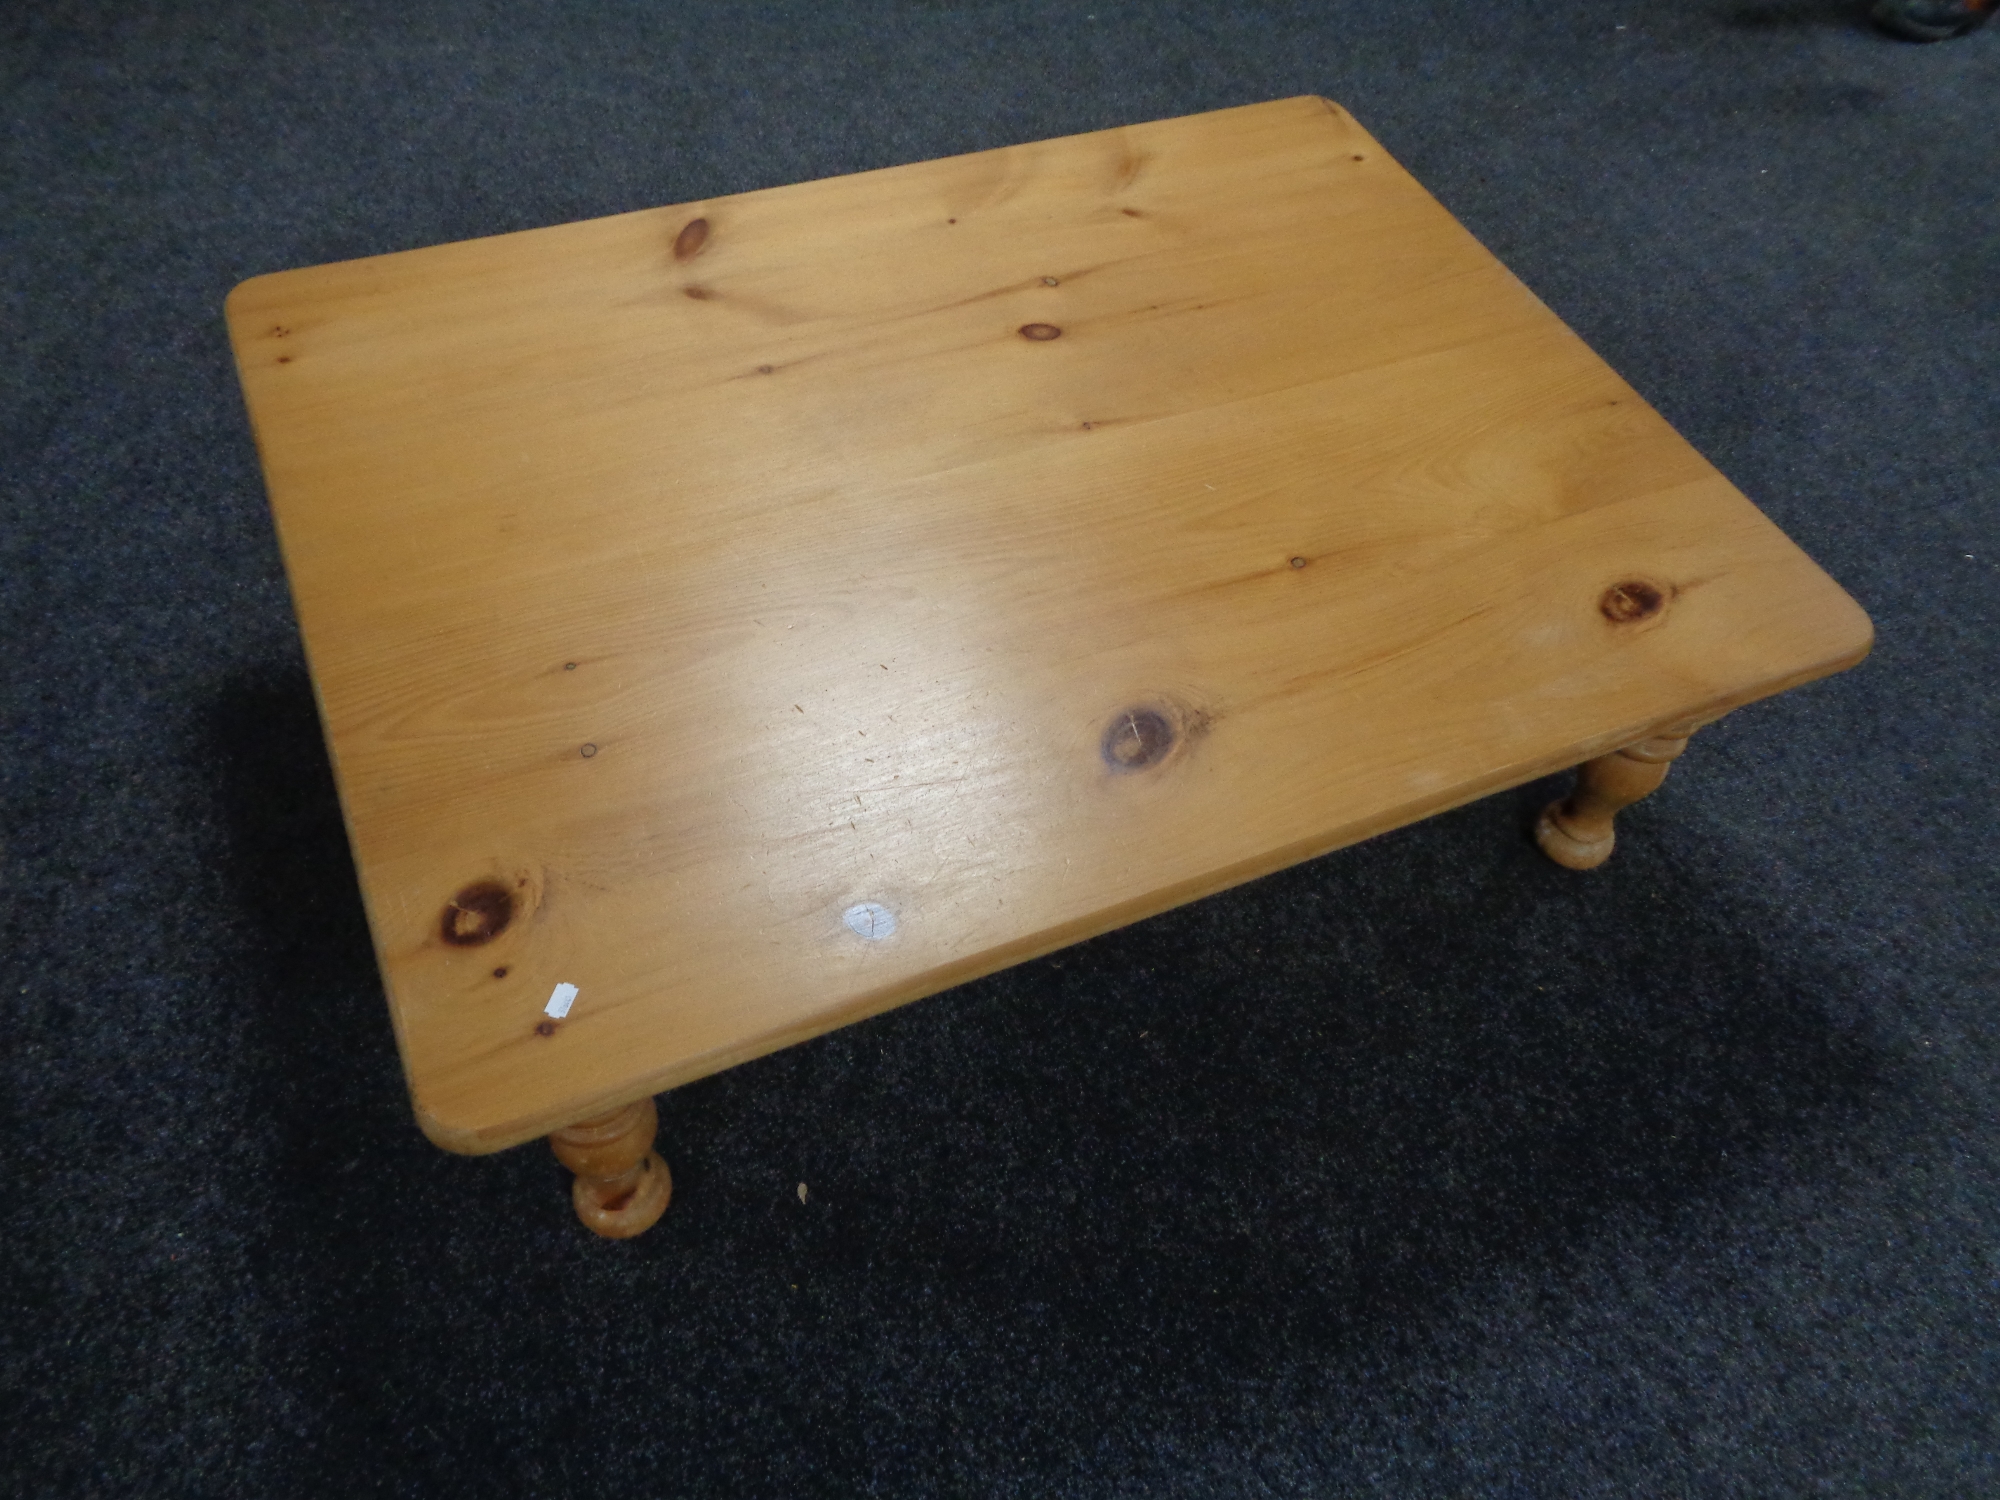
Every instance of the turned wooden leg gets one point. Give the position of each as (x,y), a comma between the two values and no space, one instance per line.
(622,1184)
(1576,830)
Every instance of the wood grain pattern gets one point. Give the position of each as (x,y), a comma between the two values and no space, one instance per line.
(677,583)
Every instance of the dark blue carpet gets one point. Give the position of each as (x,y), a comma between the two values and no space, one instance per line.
(1425,1169)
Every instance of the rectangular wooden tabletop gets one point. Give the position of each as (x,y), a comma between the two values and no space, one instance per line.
(758,613)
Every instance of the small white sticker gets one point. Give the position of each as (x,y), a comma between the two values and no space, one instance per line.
(561,1000)
(870,919)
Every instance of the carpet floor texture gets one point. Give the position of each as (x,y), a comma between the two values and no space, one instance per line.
(1425,1168)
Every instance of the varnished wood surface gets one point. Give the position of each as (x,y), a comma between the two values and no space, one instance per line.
(622,1184)
(1003,548)
(1579,831)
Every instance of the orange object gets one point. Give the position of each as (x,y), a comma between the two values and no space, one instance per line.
(762,612)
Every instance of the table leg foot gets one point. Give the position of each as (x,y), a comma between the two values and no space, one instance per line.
(622,1184)
(1575,831)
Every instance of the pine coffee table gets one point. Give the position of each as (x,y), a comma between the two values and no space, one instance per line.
(732,620)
